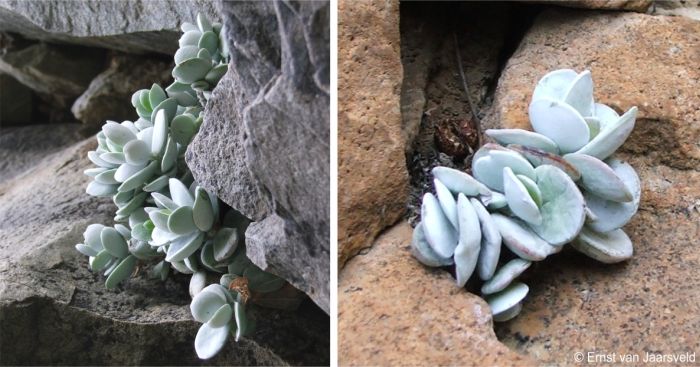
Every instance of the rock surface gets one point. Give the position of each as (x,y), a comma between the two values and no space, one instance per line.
(648,61)
(108,97)
(394,311)
(264,145)
(16,108)
(682,8)
(21,148)
(626,5)
(649,303)
(140,26)
(372,176)
(54,311)
(58,73)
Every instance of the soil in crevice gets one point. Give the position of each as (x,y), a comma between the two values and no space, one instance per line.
(440,119)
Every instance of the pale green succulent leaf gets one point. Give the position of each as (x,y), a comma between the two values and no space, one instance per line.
(216,73)
(101,261)
(225,243)
(185,53)
(222,316)
(507,298)
(139,178)
(505,275)
(122,272)
(209,340)
(163,201)
(190,38)
(203,23)
(140,232)
(181,221)
(179,193)
(98,189)
(145,100)
(157,184)
(133,204)
(118,133)
(156,95)
(169,105)
(160,133)
(107,177)
(86,250)
(184,246)
(183,128)
(137,152)
(205,304)
(209,41)
(113,242)
(244,326)
(113,157)
(203,211)
(192,70)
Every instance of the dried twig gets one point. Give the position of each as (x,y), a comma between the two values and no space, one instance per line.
(472,105)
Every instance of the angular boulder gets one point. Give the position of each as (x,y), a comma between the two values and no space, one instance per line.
(264,146)
(108,97)
(392,310)
(372,175)
(58,74)
(138,26)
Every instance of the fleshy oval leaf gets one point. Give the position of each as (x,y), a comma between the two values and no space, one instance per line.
(467,251)
(422,251)
(490,242)
(507,298)
(122,272)
(562,207)
(559,122)
(203,210)
(609,215)
(441,235)
(458,181)
(598,178)
(113,242)
(610,247)
(192,70)
(523,137)
(505,275)
(519,200)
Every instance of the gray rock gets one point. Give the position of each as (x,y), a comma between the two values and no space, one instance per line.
(271,112)
(216,156)
(54,311)
(139,26)
(109,95)
(15,107)
(22,148)
(58,74)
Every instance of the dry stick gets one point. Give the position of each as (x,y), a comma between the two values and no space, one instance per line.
(472,105)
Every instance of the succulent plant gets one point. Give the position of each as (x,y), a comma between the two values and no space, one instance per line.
(108,252)
(534,192)
(200,62)
(221,307)
(166,218)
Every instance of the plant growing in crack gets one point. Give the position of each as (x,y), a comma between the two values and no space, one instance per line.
(164,216)
(534,192)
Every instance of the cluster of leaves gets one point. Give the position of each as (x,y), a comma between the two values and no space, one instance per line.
(164,217)
(534,192)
